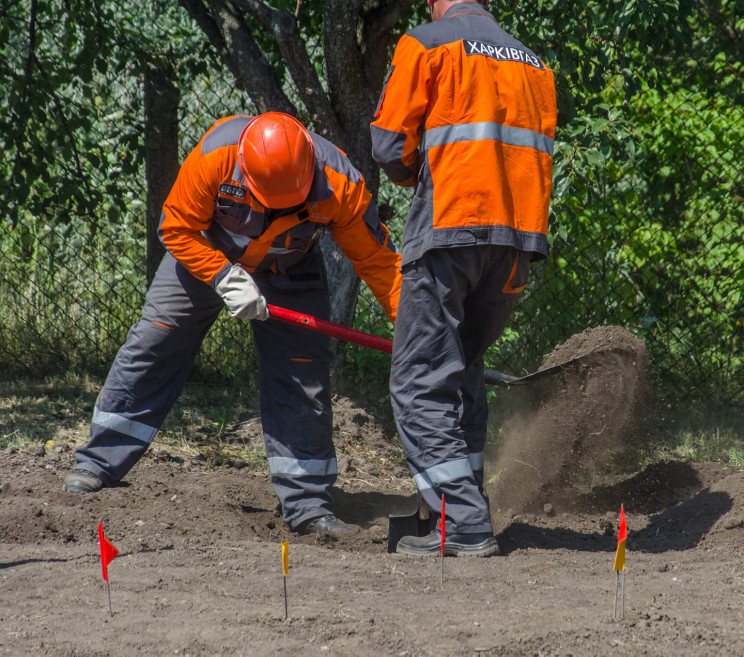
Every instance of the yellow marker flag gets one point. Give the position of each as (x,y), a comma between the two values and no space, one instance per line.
(622,537)
(285,569)
(285,557)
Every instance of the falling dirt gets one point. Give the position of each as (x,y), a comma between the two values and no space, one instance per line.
(200,569)
(573,430)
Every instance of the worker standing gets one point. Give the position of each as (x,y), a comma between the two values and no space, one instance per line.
(240,226)
(467,116)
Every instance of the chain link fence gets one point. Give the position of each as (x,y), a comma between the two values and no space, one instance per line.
(656,246)
(73,283)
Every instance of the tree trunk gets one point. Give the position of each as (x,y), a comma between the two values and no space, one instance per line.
(161,153)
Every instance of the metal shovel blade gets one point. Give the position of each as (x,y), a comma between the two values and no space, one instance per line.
(418,523)
(504,380)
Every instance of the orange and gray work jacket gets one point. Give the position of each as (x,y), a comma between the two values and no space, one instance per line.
(210,220)
(467,115)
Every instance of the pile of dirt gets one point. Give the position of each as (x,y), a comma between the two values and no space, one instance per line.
(171,492)
(574,429)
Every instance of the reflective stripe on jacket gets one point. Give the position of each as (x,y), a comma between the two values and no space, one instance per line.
(467,115)
(211,220)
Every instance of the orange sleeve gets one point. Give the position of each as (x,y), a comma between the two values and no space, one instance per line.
(401,111)
(188,211)
(365,241)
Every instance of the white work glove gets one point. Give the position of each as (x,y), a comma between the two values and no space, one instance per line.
(241,295)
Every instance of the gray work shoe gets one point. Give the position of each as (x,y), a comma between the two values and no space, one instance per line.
(82,481)
(327,523)
(455,545)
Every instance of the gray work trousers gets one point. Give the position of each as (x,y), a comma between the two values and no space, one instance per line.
(151,368)
(454,303)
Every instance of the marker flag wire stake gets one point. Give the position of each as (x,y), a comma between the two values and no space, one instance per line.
(285,570)
(622,538)
(108,554)
(441,545)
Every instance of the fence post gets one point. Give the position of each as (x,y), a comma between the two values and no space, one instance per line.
(161,152)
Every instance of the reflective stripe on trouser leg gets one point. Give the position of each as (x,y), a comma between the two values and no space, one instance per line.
(436,345)
(460,468)
(149,371)
(294,384)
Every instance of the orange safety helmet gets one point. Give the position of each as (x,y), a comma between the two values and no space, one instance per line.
(277,159)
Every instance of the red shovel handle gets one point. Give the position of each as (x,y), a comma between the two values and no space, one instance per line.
(329,328)
(383,344)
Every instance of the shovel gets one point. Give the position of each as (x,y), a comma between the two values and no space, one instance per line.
(420,522)
(383,344)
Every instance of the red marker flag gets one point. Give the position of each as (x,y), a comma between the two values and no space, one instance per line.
(441,528)
(108,551)
(622,537)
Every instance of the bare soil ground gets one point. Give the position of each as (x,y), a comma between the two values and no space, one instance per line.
(200,569)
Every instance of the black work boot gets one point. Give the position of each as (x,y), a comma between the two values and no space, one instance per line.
(82,481)
(327,523)
(455,545)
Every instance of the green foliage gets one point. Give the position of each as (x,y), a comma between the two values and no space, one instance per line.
(646,217)
(72,176)
(646,225)
(367,371)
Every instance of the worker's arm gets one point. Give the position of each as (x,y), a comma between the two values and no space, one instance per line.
(401,111)
(188,211)
(365,240)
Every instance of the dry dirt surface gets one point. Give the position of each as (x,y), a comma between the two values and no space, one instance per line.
(200,569)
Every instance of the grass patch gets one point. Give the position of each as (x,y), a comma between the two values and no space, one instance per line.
(206,422)
(54,408)
(705,435)
(60,408)
(721,445)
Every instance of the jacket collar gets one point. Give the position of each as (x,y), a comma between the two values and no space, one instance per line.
(467,8)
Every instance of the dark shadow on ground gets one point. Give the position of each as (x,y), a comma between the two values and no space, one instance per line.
(679,528)
(519,535)
(683,526)
(653,490)
(24,562)
(681,514)
(677,511)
